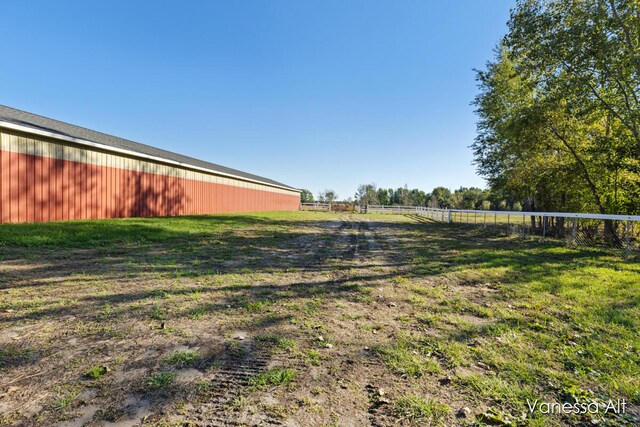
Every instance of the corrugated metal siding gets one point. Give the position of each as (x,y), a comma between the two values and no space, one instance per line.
(42,180)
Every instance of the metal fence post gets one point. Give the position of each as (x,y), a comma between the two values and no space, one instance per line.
(627,238)
(558,229)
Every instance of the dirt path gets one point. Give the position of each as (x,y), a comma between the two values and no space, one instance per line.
(80,309)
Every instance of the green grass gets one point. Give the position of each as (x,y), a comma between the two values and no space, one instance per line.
(257,306)
(158,313)
(420,410)
(277,342)
(408,357)
(65,397)
(160,380)
(505,318)
(96,372)
(543,317)
(198,312)
(182,358)
(313,357)
(126,231)
(272,378)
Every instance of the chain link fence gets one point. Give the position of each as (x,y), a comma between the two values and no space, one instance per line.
(618,232)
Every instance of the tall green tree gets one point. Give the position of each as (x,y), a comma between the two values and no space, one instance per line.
(367,194)
(383,196)
(558,107)
(306,196)
(441,197)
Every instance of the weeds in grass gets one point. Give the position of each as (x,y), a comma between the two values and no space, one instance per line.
(182,358)
(96,372)
(313,357)
(312,307)
(65,397)
(204,386)
(257,306)
(238,402)
(160,380)
(275,411)
(158,313)
(236,348)
(86,329)
(510,394)
(277,342)
(198,312)
(160,294)
(429,319)
(406,357)
(417,409)
(429,291)
(272,378)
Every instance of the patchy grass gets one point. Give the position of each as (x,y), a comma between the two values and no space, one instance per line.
(409,358)
(96,372)
(459,313)
(65,397)
(182,358)
(277,342)
(272,378)
(420,410)
(160,380)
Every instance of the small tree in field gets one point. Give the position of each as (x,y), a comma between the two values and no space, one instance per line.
(306,196)
(383,196)
(367,194)
(328,196)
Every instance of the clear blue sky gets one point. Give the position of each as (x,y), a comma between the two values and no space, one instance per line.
(316,94)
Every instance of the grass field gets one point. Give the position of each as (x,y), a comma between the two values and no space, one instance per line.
(306,318)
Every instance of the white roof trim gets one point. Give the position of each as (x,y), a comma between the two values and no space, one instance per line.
(105,147)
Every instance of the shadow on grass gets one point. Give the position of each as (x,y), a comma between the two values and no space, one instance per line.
(156,261)
(196,247)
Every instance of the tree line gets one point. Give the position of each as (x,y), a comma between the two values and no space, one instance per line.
(439,197)
(558,115)
(559,107)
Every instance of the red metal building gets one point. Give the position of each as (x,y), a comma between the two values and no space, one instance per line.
(54,171)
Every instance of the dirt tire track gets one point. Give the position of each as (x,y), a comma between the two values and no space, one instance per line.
(230,382)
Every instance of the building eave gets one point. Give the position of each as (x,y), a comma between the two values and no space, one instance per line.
(108,148)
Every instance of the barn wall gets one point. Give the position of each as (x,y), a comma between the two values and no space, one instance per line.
(46,180)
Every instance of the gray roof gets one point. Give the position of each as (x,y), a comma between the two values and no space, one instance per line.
(37,122)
